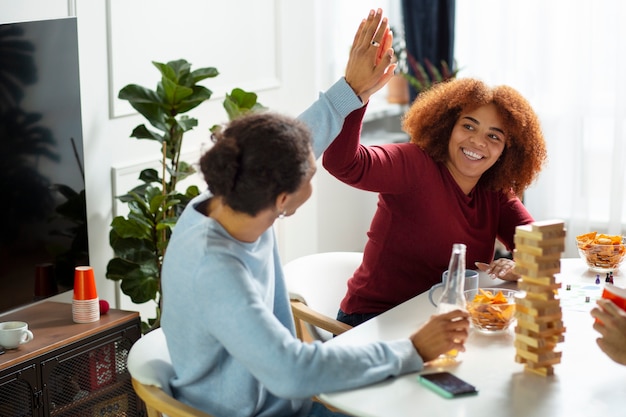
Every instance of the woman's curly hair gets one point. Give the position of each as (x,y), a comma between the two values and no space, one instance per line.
(431,117)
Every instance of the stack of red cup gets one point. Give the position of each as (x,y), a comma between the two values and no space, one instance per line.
(85,304)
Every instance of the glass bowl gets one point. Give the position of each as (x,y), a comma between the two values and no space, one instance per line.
(602,254)
(491,310)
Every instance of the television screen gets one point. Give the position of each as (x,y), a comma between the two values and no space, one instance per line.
(43,234)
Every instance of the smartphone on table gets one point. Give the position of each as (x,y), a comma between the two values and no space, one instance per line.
(447,385)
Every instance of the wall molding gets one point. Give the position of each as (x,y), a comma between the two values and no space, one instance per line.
(250,62)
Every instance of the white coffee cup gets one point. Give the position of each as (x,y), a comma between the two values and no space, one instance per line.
(14,333)
(470,283)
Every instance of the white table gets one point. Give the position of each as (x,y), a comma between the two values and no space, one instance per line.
(585,383)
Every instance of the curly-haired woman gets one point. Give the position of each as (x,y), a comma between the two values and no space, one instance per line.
(473,150)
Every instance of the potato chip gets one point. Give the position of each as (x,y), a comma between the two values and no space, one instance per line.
(491,312)
(601,251)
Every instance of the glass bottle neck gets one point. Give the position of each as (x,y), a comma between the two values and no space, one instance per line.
(454,285)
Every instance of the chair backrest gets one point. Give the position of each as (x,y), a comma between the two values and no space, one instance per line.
(150,367)
(320,281)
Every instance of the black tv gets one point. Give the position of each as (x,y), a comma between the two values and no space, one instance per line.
(43,228)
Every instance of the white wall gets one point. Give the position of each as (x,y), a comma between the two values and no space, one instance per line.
(284,51)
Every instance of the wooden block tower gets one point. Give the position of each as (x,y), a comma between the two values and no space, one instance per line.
(538,248)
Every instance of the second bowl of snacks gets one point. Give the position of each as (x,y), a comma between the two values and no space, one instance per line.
(601,252)
(491,310)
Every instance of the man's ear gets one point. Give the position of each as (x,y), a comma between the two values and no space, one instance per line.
(281,201)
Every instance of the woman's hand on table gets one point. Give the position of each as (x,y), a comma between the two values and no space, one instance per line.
(612,327)
(441,333)
(502,268)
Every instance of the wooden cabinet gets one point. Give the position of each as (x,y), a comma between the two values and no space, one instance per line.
(70,369)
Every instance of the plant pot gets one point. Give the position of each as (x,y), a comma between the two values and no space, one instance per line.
(398,90)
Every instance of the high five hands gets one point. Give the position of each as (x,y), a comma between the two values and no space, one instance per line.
(371,63)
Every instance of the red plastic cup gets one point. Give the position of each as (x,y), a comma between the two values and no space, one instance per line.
(615,294)
(84,283)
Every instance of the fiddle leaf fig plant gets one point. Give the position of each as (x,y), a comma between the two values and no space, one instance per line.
(140,238)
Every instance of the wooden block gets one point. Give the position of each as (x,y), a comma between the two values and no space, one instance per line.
(538,319)
(534,340)
(550,295)
(538,312)
(546,243)
(551,362)
(538,307)
(543,346)
(547,280)
(531,325)
(536,355)
(538,303)
(535,233)
(548,225)
(543,371)
(545,333)
(541,273)
(540,251)
(534,365)
(534,265)
(547,343)
(539,291)
(529,257)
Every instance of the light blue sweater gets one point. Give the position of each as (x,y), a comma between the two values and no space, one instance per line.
(227,318)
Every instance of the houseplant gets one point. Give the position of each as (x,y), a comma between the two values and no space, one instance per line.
(139,239)
(426,75)
(420,76)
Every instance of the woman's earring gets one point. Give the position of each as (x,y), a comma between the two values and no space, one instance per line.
(282,214)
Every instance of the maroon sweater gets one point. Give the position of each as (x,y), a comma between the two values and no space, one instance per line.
(421,213)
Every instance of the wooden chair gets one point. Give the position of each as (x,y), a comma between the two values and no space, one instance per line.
(317,283)
(151,368)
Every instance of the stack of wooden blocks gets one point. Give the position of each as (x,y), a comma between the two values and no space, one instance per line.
(538,248)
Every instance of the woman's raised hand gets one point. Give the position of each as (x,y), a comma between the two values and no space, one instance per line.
(370,65)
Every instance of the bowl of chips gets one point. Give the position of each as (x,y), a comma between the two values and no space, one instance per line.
(491,310)
(602,253)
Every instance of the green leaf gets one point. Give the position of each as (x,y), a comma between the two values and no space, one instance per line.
(173,70)
(216,129)
(150,175)
(166,70)
(131,249)
(156,202)
(240,102)
(187,123)
(184,171)
(118,269)
(142,132)
(130,229)
(200,94)
(203,73)
(181,67)
(147,102)
(167,224)
(174,94)
(139,281)
(192,191)
(243,98)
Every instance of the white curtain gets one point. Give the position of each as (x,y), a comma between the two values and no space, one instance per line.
(567,58)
